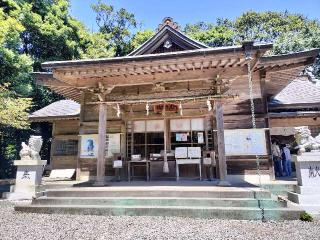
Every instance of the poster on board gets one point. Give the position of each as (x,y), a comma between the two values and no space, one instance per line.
(89,146)
(245,142)
(194,152)
(181,152)
(200,137)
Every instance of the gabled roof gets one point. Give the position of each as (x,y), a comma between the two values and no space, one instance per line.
(300,91)
(66,109)
(167,31)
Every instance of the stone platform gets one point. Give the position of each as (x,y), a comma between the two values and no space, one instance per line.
(185,201)
(307,192)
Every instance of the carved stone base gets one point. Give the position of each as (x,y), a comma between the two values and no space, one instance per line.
(28,179)
(307,193)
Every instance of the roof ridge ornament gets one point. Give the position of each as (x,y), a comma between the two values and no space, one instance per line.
(168,21)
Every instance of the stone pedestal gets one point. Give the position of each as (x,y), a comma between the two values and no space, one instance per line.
(28,179)
(307,193)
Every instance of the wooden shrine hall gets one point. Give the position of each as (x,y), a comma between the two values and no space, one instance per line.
(173,108)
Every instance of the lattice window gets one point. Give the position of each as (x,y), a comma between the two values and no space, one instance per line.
(65,148)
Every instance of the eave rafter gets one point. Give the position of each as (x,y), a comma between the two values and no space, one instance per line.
(149,68)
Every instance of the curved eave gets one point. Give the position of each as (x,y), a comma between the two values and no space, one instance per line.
(66,90)
(275,62)
(280,70)
(150,57)
(52,118)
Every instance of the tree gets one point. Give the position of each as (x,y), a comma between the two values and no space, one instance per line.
(50,32)
(140,37)
(99,46)
(15,69)
(13,109)
(211,35)
(33,31)
(116,26)
(288,32)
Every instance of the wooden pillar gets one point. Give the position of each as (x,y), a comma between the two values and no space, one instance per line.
(52,147)
(221,145)
(165,139)
(101,159)
(81,119)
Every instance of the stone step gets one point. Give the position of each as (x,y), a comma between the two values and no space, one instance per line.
(161,192)
(280,189)
(159,201)
(179,211)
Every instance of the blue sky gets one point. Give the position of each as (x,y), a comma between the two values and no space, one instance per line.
(151,12)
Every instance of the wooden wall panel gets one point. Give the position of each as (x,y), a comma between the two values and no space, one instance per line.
(294,122)
(64,162)
(247,166)
(66,127)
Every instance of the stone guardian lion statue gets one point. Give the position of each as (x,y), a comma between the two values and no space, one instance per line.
(31,151)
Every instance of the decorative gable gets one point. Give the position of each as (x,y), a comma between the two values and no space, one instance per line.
(167,39)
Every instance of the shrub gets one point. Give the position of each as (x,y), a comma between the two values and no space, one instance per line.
(306,217)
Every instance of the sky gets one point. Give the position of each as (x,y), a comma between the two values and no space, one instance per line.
(151,12)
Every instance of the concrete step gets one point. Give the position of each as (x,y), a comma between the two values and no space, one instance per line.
(161,192)
(279,189)
(180,211)
(159,201)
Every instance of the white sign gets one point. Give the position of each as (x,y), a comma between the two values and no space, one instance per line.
(245,142)
(117,164)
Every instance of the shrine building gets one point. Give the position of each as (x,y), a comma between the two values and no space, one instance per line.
(170,108)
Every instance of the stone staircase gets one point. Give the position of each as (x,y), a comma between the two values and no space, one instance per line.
(196,202)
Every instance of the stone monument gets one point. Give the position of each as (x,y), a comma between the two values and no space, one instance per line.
(307,192)
(29,170)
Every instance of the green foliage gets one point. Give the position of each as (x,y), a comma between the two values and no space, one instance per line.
(116,26)
(211,35)
(33,31)
(288,32)
(13,110)
(140,37)
(51,33)
(306,217)
(99,46)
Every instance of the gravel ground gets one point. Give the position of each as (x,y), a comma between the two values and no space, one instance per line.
(14,225)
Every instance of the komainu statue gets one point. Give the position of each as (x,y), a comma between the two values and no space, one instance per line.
(31,151)
(304,139)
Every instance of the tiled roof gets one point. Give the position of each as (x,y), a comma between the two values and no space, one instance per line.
(59,109)
(299,91)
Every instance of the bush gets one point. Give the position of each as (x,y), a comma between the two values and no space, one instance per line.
(306,217)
